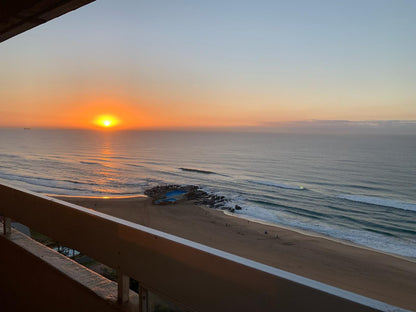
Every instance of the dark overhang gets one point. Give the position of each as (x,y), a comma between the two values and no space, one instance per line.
(17,16)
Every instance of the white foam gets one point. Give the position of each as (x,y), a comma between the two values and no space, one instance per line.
(391,245)
(379,201)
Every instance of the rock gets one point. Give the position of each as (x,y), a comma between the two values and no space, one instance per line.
(193,192)
(237,207)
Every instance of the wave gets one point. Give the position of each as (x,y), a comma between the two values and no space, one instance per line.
(18,177)
(38,182)
(198,171)
(9,155)
(364,237)
(119,157)
(90,163)
(77,182)
(379,202)
(64,184)
(134,165)
(279,185)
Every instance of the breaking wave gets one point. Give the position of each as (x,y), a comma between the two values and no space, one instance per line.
(279,185)
(379,202)
(198,171)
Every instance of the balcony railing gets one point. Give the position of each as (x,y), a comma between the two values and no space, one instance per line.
(194,276)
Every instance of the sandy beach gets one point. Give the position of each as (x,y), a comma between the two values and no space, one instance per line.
(377,275)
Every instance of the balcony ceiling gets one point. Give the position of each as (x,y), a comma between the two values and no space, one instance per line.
(17,16)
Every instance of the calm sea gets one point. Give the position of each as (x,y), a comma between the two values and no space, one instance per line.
(356,188)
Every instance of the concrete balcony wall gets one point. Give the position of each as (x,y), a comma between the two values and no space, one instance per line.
(36,278)
(194,276)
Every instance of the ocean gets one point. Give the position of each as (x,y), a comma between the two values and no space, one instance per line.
(356,188)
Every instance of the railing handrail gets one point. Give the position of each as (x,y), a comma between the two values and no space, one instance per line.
(196,276)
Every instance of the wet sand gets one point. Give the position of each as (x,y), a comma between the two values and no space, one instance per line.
(373,274)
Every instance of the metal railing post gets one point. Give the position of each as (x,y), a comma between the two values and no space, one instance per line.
(123,288)
(7,227)
(143,299)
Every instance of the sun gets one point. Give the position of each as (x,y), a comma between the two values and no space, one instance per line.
(106,121)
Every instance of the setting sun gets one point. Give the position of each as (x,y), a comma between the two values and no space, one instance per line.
(106,121)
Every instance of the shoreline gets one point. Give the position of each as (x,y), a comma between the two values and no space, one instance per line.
(367,272)
(254,220)
(318,235)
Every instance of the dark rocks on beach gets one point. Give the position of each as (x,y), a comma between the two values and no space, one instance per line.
(192,192)
(159,192)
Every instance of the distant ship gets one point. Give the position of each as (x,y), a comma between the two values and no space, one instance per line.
(26,128)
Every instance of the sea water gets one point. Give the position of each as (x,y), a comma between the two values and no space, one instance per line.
(357,188)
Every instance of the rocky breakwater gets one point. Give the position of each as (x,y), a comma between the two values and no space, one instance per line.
(190,192)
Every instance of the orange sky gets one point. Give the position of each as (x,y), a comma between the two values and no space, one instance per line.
(205,66)
(168,113)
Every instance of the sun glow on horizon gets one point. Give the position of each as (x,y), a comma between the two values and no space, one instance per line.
(106,121)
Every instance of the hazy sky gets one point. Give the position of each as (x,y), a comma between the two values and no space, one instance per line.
(164,64)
